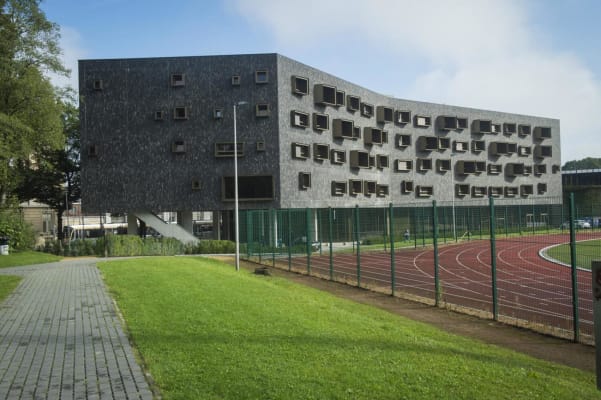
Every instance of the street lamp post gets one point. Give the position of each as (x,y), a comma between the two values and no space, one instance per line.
(236,224)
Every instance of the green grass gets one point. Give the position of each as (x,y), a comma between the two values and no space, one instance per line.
(208,332)
(15,259)
(586,252)
(8,283)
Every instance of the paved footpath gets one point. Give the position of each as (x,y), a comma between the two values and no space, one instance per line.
(61,338)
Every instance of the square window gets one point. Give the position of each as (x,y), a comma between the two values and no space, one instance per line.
(92,150)
(369,187)
(460,147)
(321,122)
(324,94)
(301,151)
(178,146)
(195,184)
(367,110)
(382,161)
(261,76)
(461,123)
(403,165)
(402,117)
(180,113)
(262,110)
(343,128)
(218,113)
(159,115)
(353,103)
(235,80)
(260,146)
(403,141)
(462,189)
(382,190)
(340,98)
(406,187)
(524,130)
(299,119)
(424,164)
(509,129)
(355,186)
(338,188)
(443,165)
(97,84)
(321,151)
(304,180)
(422,121)
(337,156)
(300,85)
(178,80)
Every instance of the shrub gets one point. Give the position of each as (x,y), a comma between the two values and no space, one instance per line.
(20,233)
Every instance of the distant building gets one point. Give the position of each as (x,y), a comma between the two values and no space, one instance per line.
(42,219)
(586,186)
(157,135)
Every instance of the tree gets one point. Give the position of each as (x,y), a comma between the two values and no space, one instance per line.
(585,163)
(30,107)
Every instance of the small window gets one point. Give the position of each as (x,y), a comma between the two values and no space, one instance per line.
(540,169)
(261,146)
(218,113)
(159,115)
(403,165)
(460,147)
(196,184)
(495,191)
(178,80)
(369,187)
(509,129)
(513,169)
(92,151)
(367,110)
(261,76)
(337,156)
(372,161)
(444,143)
(542,133)
(301,151)
(402,117)
(422,121)
(526,190)
(541,188)
(443,165)
(382,161)
(178,147)
(427,143)
(340,98)
(424,191)
(304,180)
(479,191)
(527,170)
(524,151)
(424,164)
(464,167)
(480,167)
(324,94)
(495,129)
(355,186)
(343,128)
(402,141)
(462,189)
(406,187)
(180,113)
(338,188)
(447,123)
(478,146)
(356,132)
(321,122)
(353,103)
(384,136)
(97,84)
(372,135)
(482,126)
(543,151)
(321,151)
(382,190)
(299,119)
(494,169)
(511,191)
(262,110)
(226,149)
(555,168)
(359,159)
(235,80)
(300,85)
(524,130)
(461,123)
(384,114)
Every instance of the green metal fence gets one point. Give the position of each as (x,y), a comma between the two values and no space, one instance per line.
(514,261)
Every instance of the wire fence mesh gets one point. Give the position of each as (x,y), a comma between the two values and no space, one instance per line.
(526,263)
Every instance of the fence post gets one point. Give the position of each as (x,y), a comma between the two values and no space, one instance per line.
(533,218)
(392,260)
(435,244)
(415,224)
(574,271)
(505,221)
(289,240)
(357,239)
(248,233)
(309,240)
(493,258)
(273,238)
(519,219)
(330,238)
(261,235)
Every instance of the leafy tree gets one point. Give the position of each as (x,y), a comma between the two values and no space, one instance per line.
(30,107)
(586,163)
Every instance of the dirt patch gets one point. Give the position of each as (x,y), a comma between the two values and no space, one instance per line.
(540,346)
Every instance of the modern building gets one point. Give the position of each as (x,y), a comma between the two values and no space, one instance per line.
(157,134)
(586,187)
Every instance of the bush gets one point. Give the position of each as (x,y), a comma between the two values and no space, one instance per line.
(211,247)
(20,233)
(374,240)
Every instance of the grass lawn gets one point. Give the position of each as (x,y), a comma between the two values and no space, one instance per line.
(208,332)
(26,258)
(586,251)
(8,283)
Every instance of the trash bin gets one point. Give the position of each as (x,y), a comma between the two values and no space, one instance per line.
(3,246)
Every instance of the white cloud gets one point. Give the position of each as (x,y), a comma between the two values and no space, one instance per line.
(482,54)
(70,43)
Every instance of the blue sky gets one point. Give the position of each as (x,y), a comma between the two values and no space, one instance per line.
(536,57)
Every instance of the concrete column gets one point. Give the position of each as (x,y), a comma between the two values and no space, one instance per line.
(132,224)
(217,225)
(184,219)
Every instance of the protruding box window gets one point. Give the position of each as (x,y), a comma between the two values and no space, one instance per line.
(514,169)
(384,114)
(382,161)
(502,148)
(178,146)
(97,84)
(447,123)
(509,128)
(478,146)
(369,187)
(424,191)
(301,151)
(353,103)
(262,110)
(402,141)
(443,165)
(180,113)
(524,151)
(340,97)
(495,129)
(321,151)
(261,76)
(511,191)
(480,167)
(359,159)
(343,128)
(178,80)
(235,80)
(543,151)
(462,189)
(424,164)
(367,110)
(355,186)
(540,169)
(356,132)
(478,191)
(299,119)
(482,126)
(403,165)
(444,143)
(402,117)
(422,121)
(372,135)
(495,191)
(542,133)
(406,187)
(526,190)
(218,113)
(461,123)
(321,122)
(324,94)
(300,85)
(495,169)
(427,143)
(524,130)
(460,147)
(463,167)
(382,190)
(541,188)
(338,188)
(555,168)
(337,156)
(226,149)
(304,180)
(159,115)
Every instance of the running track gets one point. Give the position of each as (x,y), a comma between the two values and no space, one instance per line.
(530,289)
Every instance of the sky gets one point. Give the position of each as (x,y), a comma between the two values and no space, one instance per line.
(533,57)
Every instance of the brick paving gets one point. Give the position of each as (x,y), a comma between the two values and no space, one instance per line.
(61,338)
